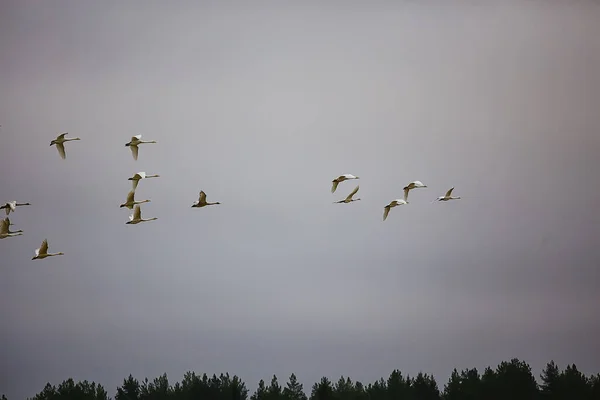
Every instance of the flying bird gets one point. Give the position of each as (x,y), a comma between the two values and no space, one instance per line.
(136,217)
(393,203)
(349,198)
(59,142)
(133,145)
(131,200)
(341,179)
(42,252)
(140,175)
(447,196)
(12,206)
(5,231)
(410,186)
(202,201)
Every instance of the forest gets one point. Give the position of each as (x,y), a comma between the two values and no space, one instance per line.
(510,380)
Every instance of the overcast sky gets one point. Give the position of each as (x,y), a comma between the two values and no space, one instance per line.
(261,107)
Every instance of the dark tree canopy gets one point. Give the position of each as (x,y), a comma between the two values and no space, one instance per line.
(512,380)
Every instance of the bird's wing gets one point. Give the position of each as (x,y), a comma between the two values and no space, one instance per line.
(4,226)
(61,150)
(334,185)
(353,193)
(134,151)
(61,136)
(44,247)
(134,183)
(136,137)
(137,213)
(130,196)
(386,211)
(406,190)
(202,197)
(449,192)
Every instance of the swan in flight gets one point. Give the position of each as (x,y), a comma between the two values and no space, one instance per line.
(447,196)
(202,201)
(140,175)
(136,217)
(410,186)
(131,200)
(393,203)
(133,145)
(5,231)
(12,206)
(59,142)
(340,179)
(349,198)
(42,252)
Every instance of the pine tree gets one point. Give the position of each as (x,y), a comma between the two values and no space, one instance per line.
(294,389)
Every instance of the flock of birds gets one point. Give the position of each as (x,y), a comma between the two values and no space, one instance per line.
(136,217)
(396,202)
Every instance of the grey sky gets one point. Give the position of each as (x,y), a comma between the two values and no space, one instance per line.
(261,107)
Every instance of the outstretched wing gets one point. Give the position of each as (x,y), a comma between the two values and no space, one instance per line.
(334,185)
(134,151)
(136,137)
(386,211)
(44,247)
(61,150)
(131,196)
(449,192)
(352,193)
(137,213)
(61,136)
(202,198)
(4,226)
(406,190)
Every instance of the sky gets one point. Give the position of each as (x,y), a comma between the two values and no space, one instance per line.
(261,107)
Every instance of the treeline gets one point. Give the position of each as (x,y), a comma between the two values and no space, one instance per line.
(511,380)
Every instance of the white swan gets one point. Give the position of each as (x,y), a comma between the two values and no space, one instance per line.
(447,196)
(136,217)
(42,252)
(131,200)
(412,185)
(393,203)
(134,142)
(12,206)
(340,179)
(59,142)
(202,201)
(140,175)
(349,198)
(5,231)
